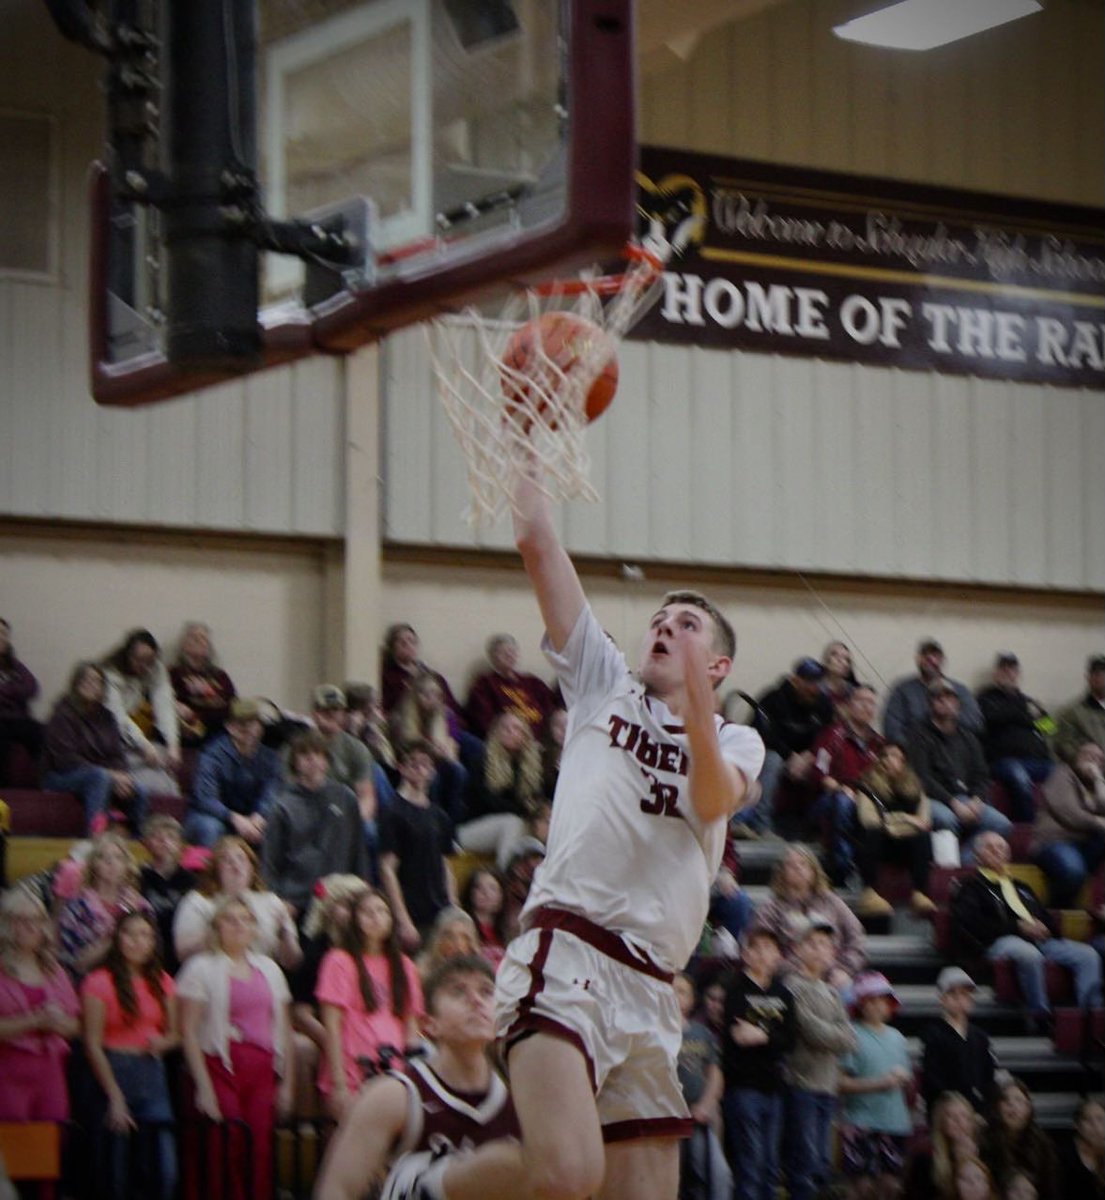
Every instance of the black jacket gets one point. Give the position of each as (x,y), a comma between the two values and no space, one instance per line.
(981,916)
(949,764)
(1011,725)
(950,1063)
(788,726)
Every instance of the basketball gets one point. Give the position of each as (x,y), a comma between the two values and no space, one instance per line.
(562,339)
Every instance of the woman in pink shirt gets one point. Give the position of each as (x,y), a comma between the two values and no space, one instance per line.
(38,1013)
(235,1018)
(370,996)
(130,1023)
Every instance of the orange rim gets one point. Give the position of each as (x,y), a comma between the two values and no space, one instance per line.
(603,285)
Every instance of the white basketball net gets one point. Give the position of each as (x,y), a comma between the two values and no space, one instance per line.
(545,420)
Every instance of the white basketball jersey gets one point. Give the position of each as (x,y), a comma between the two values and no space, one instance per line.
(626,849)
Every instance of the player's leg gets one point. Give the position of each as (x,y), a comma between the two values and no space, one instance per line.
(645,1169)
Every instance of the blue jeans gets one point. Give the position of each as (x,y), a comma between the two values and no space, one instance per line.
(93,786)
(733,912)
(703,1160)
(753,1120)
(835,812)
(1068,865)
(991,821)
(1029,958)
(758,817)
(202,829)
(807,1125)
(1018,775)
(141,1079)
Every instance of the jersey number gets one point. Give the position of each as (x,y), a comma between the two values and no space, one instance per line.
(662,798)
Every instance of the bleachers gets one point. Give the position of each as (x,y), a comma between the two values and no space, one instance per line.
(911,951)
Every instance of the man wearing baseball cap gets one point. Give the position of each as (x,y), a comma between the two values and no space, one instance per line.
(1016,749)
(1083,720)
(789,717)
(956,1055)
(951,765)
(908,702)
(237,780)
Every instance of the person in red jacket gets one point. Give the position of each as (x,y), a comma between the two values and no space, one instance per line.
(841,755)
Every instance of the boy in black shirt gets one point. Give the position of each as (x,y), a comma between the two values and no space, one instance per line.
(957,1056)
(416,836)
(164,882)
(759,1031)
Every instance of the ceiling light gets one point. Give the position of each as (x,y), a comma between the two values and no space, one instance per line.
(923,24)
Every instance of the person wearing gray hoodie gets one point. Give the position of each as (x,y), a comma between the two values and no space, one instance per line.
(824,1033)
(314,828)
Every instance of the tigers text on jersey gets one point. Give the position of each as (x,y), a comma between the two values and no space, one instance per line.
(626,848)
(440,1120)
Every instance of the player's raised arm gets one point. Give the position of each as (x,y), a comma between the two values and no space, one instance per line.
(359,1150)
(555,582)
(716,787)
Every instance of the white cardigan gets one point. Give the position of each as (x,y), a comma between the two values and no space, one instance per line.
(206,977)
(192,922)
(125,694)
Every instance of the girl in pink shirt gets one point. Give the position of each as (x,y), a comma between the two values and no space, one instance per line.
(370,997)
(38,1013)
(130,1023)
(235,1015)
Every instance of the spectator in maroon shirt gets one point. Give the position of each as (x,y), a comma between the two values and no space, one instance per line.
(506,689)
(84,752)
(18,687)
(401,666)
(841,755)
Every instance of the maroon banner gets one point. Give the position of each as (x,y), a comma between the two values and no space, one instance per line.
(784,260)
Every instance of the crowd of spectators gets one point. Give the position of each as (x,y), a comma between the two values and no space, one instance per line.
(278,927)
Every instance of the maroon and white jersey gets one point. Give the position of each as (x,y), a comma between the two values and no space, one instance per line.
(440,1120)
(626,848)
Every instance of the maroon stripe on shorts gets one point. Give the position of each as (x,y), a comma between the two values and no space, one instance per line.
(548,918)
(648,1127)
(526,1027)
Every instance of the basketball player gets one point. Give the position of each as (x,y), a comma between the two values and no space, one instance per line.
(585,1008)
(448,1103)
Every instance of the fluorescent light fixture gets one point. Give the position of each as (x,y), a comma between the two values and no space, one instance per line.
(923,24)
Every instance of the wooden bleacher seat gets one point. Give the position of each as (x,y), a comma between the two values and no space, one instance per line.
(32,1153)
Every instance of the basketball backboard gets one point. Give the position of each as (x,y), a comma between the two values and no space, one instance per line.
(446,146)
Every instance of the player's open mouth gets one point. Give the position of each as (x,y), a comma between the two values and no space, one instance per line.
(659,648)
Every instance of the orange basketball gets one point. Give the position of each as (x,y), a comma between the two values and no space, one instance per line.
(562,337)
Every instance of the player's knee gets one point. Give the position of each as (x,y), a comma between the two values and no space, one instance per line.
(567,1176)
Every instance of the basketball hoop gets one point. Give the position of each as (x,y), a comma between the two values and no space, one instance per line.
(509,409)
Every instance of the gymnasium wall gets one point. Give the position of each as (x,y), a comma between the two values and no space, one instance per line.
(777,620)
(264,454)
(70,596)
(706,458)
(767,461)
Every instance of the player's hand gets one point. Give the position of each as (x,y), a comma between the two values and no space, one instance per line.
(693,655)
